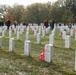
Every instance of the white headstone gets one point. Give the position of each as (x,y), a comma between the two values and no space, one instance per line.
(71,32)
(44,27)
(20,29)
(67,42)
(38,38)
(75,60)
(0,42)
(23,29)
(40,30)
(10,33)
(46,31)
(75,35)
(3,33)
(64,34)
(68,29)
(53,31)
(27,29)
(48,52)
(14,30)
(43,33)
(18,34)
(11,44)
(35,32)
(27,47)
(51,39)
(27,35)
(0,29)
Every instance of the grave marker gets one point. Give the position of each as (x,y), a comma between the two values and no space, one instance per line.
(11,44)
(48,53)
(64,34)
(35,32)
(38,38)
(18,34)
(10,33)
(3,33)
(27,47)
(51,39)
(27,35)
(67,42)
(75,60)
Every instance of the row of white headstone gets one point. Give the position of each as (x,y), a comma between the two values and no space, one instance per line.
(66,37)
(51,41)
(40,29)
(48,47)
(27,45)
(69,30)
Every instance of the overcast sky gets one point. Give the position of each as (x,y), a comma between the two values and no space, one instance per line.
(24,2)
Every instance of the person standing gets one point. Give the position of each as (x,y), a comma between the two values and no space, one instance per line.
(8,23)
(52,24)
(46,23)
(15,23)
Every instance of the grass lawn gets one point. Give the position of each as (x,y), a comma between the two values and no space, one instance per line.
(18,64)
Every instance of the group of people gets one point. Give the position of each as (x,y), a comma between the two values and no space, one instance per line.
(51,22)
(25,24)
(7,23)
(46,23)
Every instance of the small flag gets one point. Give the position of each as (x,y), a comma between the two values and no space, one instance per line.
(42,56)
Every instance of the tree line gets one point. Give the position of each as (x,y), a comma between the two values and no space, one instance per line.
(61,11)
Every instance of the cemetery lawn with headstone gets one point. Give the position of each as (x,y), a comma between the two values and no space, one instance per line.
(16,63)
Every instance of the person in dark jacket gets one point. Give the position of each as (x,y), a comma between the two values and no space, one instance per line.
(52,24)
(8,23)
(15,23)
(46,23)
